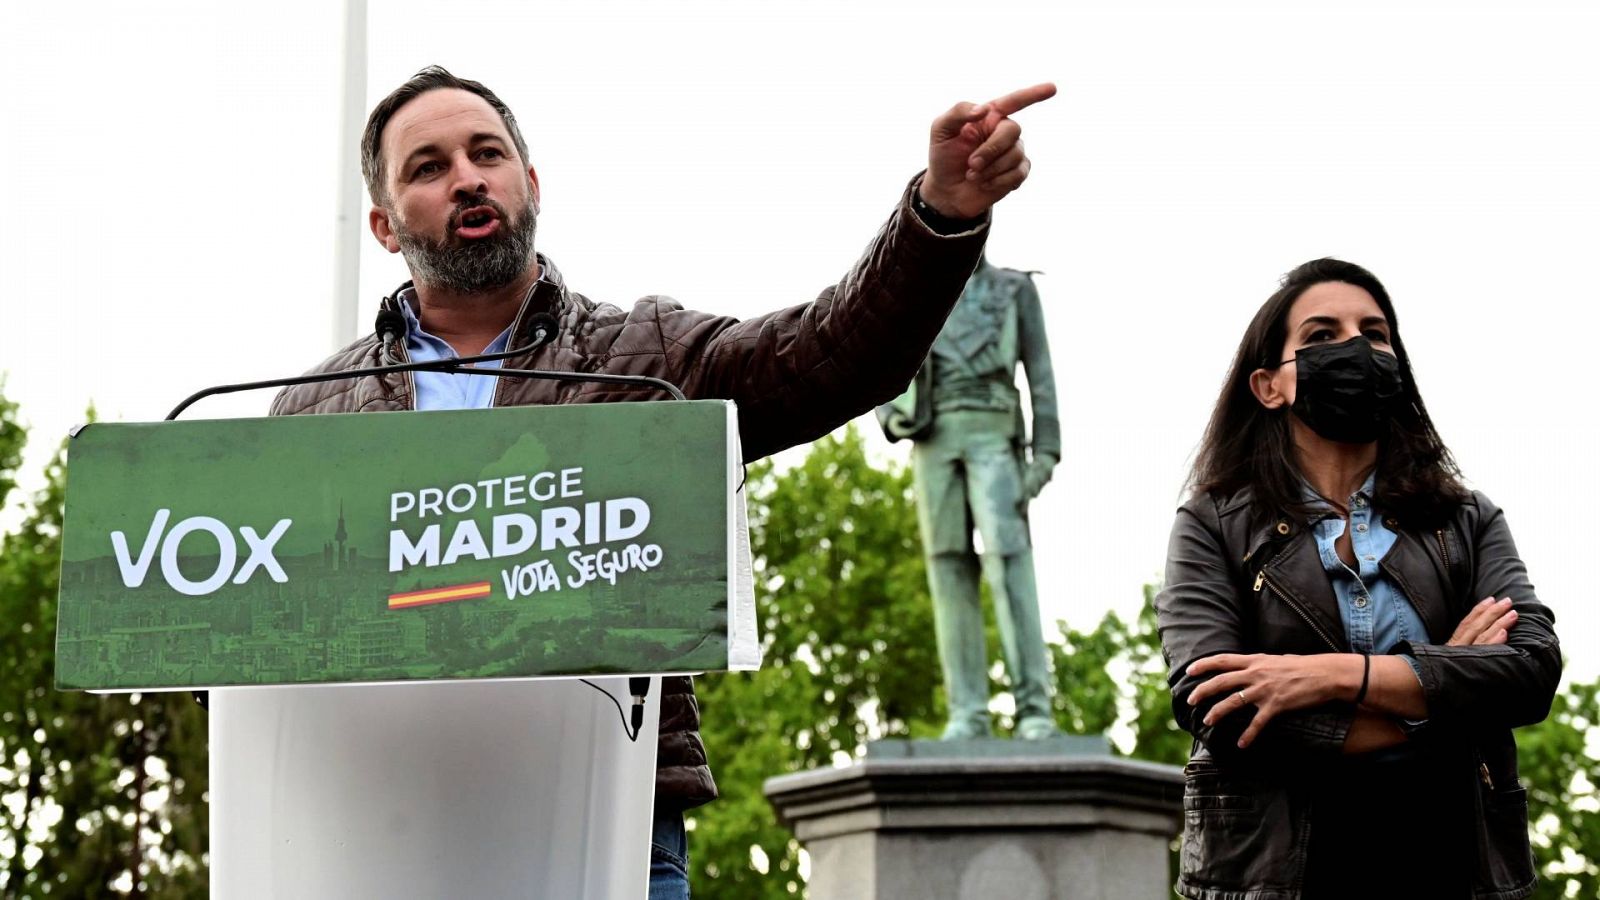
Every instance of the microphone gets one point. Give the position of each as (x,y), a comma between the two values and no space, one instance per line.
(544,329)
(639,688)
(390,327)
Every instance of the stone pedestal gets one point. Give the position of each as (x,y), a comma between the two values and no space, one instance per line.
(1047,820)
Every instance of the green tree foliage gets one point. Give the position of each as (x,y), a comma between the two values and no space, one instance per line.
(1112,681)
(1562,775)
(98,794)
(849,655)
(848,631)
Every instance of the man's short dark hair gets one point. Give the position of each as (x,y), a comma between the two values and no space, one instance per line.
(432,78)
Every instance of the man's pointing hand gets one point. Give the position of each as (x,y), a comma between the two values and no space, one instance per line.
(975,154)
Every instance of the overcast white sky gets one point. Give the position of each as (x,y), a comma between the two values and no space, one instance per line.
(170,170)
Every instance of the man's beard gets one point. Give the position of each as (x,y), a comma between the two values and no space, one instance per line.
(471,266)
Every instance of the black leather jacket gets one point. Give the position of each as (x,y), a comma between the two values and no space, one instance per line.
(1239,581)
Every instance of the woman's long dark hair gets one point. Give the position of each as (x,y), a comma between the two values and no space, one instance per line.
(1248,445)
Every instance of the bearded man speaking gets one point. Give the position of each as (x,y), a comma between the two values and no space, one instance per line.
(453,191)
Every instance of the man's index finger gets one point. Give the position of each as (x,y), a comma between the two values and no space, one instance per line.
(1022,99)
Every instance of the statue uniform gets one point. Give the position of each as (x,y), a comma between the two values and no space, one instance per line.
(975,468)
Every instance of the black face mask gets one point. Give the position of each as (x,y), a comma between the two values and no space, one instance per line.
(1345,392)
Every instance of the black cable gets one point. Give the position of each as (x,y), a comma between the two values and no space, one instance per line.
(638,711)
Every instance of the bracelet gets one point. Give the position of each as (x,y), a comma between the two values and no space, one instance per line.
(1366,674)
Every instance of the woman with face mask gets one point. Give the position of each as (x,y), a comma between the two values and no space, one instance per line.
(1350,632)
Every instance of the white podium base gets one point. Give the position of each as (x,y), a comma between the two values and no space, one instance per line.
(461,789)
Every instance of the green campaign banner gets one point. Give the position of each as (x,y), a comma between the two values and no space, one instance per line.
(497,543)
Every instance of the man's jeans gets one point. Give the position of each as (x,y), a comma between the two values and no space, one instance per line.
(669,858)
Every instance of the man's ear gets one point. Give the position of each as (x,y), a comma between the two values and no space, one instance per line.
(378,221)
(533,185)
(1263,385)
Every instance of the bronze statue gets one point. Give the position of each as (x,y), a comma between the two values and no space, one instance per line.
(975,467)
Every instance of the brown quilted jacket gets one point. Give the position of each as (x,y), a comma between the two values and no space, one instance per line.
(796,375)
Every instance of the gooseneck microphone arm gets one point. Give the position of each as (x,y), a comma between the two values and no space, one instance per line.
(391,325)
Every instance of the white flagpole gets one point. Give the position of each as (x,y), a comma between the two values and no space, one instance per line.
(352,193)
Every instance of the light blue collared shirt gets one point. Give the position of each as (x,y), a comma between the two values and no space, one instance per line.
(447,390)
(1376,614)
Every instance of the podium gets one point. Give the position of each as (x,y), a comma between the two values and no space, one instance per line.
(417,662)
(466,789)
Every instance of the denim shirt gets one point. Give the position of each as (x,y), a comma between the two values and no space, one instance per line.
(1376,614)
(447,390)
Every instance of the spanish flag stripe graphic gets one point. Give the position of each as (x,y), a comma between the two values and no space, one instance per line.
(439,595)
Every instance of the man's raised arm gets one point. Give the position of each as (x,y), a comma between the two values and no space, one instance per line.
(801,372)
